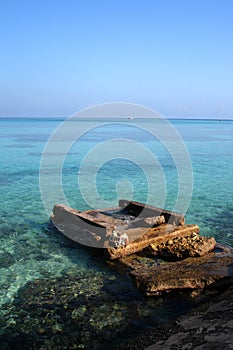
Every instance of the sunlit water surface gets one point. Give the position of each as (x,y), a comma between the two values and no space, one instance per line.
(31,250)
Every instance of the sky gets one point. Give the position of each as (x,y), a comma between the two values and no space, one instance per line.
(59,56)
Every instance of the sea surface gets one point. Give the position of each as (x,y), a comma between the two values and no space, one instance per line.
(40,270)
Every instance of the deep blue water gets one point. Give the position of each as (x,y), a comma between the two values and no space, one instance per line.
(106,155)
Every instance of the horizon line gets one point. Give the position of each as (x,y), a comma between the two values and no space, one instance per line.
(120,117)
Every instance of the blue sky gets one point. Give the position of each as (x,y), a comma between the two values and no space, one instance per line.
(60,56)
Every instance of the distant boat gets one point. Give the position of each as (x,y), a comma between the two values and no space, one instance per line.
(130,117)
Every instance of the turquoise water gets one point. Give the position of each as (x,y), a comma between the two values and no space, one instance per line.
(31,250)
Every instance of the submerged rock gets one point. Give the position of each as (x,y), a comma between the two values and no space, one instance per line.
(70,312)
(6,260)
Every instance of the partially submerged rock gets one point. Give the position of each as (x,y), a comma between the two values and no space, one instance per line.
(212,269)
(184,247)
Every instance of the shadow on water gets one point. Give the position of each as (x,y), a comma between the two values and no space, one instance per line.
(88,311)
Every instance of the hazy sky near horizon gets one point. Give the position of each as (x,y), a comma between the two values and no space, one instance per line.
(174,56)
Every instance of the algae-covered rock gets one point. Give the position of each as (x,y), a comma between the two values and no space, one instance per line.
(6,260)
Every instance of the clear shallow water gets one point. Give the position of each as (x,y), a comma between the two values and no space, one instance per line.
(31,250)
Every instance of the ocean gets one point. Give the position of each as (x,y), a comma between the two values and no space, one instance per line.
(53,291)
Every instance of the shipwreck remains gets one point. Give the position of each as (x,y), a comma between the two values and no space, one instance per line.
(136,235)
(122,230)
